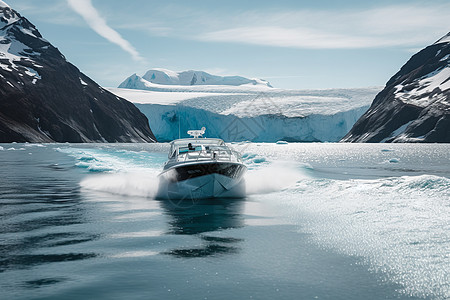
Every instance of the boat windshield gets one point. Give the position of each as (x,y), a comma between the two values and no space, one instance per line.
(191,145)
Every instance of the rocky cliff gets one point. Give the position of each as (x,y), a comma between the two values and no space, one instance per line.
(415,104)
(44,98)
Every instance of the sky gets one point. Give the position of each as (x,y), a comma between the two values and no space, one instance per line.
(293,44)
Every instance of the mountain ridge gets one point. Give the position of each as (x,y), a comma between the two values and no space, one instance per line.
(414,106)
(161,76)
(44,98)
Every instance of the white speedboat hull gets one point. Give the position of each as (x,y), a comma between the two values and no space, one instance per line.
(201,168)
(202,181)
(204,187)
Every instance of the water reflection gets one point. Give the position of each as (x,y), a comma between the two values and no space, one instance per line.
(201,218)
(44,281)
(30,260)
(40,212)
(50,207)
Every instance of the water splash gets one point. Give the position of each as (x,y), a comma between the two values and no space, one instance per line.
(274,177)
(399,225)
(124,184)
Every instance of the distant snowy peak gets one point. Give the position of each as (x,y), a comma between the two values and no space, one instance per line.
(7,15)
(3,4)
(191,78)
(162,76)
(20,44)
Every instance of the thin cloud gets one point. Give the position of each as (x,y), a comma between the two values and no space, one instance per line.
(407,26)
(307,38)
(86,10)
(287,37)
(392,26)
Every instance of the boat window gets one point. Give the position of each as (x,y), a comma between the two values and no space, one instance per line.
(187,149)
(215,148)
(183,150)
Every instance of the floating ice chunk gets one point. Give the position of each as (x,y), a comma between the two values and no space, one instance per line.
(259,160)
(282,143)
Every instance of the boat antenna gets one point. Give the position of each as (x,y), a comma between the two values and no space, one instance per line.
(197,133)
(179,125)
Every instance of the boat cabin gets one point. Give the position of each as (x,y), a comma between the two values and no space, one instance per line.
(182,146)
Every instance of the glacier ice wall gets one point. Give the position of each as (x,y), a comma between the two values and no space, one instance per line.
(257,114)
(170,122)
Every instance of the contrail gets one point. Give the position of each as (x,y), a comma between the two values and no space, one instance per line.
(86,10)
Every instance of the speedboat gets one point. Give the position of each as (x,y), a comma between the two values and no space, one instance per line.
(200,168)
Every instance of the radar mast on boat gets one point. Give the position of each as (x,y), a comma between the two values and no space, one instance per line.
(197,133)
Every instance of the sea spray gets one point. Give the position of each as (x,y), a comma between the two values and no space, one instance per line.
(398,225)
(125,184)
(266,179)
(274,177)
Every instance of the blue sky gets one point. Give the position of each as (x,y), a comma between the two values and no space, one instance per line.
(292,44)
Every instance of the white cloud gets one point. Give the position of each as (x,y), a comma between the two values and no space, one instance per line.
(391,26)
(409,26)
(287,37)
(86,10)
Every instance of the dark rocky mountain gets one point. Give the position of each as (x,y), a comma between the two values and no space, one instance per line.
(44,98)
(415,104)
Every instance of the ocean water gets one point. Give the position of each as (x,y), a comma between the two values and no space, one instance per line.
(320,221)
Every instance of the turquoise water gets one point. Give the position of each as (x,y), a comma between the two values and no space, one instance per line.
(320,221)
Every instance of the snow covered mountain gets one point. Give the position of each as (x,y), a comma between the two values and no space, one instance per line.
(415,104)
(44,98)
(253,113)
(186,78)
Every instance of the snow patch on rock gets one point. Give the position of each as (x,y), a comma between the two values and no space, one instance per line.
(32,73)
(438,80)
(445,39)
(83,82)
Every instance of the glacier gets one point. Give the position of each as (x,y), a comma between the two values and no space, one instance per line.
(248,112)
